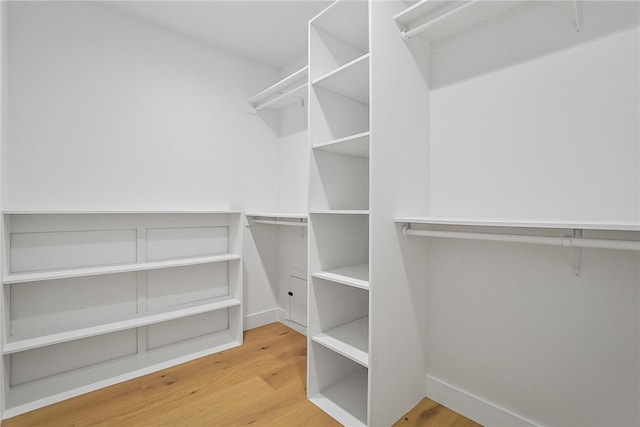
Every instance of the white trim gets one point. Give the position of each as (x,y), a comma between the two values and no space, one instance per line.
(255,320)
(473,407)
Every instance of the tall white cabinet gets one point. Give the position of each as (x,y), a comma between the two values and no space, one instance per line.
(94,298)
(365,349)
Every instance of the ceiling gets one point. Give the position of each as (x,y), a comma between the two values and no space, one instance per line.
(269,31)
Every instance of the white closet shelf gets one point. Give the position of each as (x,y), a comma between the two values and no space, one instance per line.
(509,223)
(350,340)
(112,269)
(340,212)
(53,389)
(287,215)
(346,400)
(80,210)
(352,275)
(354,145)
(288,91)
(434,20)
(18,345)
(350,80)
(575,240)
(274,218)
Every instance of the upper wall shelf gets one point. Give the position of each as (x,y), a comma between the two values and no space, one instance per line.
(288,91)
(507,223)
(434,20)
(523,232)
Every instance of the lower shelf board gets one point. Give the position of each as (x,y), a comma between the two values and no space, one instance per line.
(346,400)
(36,394)
(184,310)
(350,340)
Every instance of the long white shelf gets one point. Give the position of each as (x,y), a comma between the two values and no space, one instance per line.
(79,210)
(353,145)
(350,340)
(112,269)
(288,215)
(509,223)
(350,80)
(346,400)
(136,322)
(288,91)
(434,20)
(339,212)
(352,275)
(39,393)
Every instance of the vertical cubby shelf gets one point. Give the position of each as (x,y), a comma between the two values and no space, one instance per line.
(113,295)
(339,62)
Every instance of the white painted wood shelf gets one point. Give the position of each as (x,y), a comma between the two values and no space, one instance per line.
(278,215)
(112,295)
(17,344)
(43,392)
(350,80)
(275,218)
(534,224)
(430,21)
(352,275)
(353,145)
(346,400)
(340,212)
(114,269)
(287,92)
(351,340)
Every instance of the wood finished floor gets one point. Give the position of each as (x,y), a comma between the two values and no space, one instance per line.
(261,383)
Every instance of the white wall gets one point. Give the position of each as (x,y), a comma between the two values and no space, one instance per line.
(545,128)
(107,111)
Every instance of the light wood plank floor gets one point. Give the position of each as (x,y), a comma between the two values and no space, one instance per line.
(261,383)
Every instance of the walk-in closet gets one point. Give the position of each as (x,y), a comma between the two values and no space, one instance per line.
(318,212)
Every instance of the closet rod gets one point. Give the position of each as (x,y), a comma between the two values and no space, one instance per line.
(576,242)
(280,222)
(411,32)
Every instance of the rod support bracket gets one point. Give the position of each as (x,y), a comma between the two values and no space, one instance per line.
(577,255)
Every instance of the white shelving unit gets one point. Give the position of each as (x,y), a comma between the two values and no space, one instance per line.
(338,378)
(112,296)
(292,90)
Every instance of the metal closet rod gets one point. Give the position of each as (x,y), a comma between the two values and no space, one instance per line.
(412,32)
(570,242)
(280,222)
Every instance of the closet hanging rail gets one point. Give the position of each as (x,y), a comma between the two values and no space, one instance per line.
(280,222)
(572,242)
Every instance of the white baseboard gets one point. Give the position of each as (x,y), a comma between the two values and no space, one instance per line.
(256,320)
(269,316)
(473,407)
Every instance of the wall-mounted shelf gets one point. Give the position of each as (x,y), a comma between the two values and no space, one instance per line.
(289,91)
(494,230)
(275,218)
(114,269)
(354,145)
(479,222)
(17,345)
(340,212)
(434,20)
